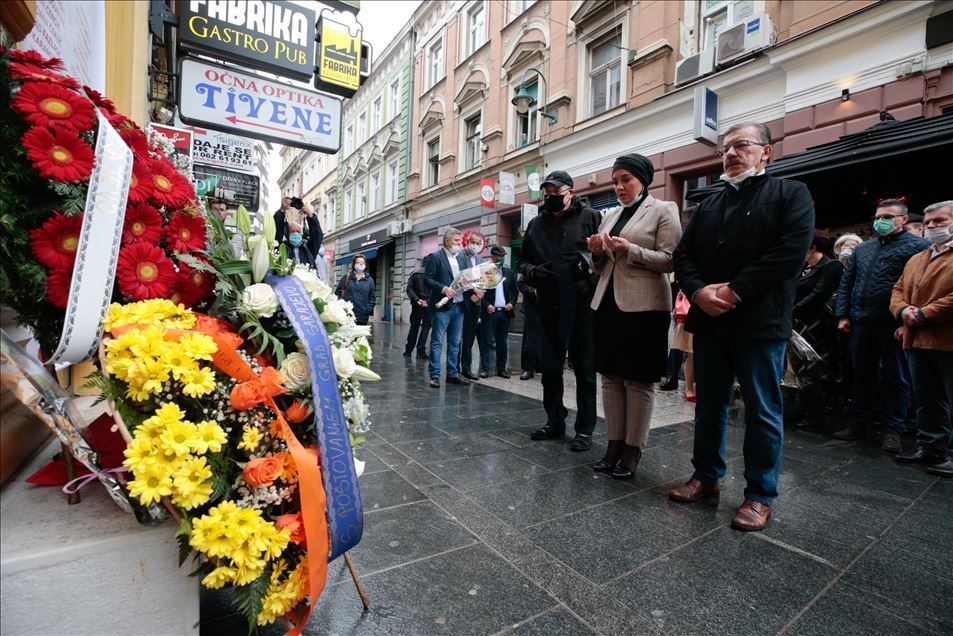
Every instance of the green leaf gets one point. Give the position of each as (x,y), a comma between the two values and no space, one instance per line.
(248,598)
(182,536)
(230,268)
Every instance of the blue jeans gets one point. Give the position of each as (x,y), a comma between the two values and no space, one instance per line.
(758,365)
(873,346)
(446,324)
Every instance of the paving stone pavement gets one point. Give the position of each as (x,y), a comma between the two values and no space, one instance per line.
(472,528)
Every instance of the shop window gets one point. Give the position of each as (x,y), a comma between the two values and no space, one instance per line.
(690,184)
(526,123)
(605,72)
(473,142)
(433,162)
(475,33)
(717,15)
(435,63)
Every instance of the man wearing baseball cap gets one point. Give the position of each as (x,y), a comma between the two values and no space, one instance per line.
(554,260)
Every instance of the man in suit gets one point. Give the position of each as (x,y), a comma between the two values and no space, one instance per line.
(447,322)
(471,256)
(497,312)
(738,261)
(420,312)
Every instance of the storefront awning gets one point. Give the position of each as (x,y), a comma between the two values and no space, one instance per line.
(368,254)
(885,139)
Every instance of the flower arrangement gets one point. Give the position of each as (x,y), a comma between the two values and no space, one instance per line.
(48,129)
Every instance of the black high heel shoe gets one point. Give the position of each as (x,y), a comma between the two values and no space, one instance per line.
(628,455)
(604,465)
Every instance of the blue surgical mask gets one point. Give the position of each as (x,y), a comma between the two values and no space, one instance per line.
(295,238)
(883,227)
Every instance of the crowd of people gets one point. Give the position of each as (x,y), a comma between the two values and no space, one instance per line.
(631,296)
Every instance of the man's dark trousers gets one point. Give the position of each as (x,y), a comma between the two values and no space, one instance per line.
(758,365)
(873,345)
(932,373)
(581,356)
(471,332)
(419,321)
(496,328)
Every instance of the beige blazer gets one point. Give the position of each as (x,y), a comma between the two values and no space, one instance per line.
(641,281)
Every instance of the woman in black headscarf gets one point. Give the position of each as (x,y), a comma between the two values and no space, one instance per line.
(633,303)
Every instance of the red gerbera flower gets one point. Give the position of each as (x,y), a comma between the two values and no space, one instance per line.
(144,272)
(136,140)
(140,182)
(143,224)
(185,232)
(60,155)
(34,73)
(32,57)
(55,242)
(58,283)
(102,103)
(169,188)
(192,286)
(46,104)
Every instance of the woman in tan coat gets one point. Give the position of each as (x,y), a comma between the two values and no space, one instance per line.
(633,303)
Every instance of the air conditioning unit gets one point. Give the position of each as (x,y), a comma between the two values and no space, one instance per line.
(695,66)
(745,39)
(394,229)
(407,226)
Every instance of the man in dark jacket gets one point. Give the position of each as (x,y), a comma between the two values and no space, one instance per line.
(554,262)
(738,261)
(418,294)
(529,345)
(863,312)
(498,307)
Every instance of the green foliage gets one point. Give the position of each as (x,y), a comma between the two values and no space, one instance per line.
(254,331)
(182,537)
(221,477)
(248,598)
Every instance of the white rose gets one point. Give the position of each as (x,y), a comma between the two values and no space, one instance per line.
(312,283)
(343,362)
(334,311)
(260,299)
(295,370)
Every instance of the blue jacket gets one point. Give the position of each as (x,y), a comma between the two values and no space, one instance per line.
(865,287)
(360,292)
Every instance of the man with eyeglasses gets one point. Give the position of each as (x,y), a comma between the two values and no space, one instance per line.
(863,312)
(738,262)
(554,261)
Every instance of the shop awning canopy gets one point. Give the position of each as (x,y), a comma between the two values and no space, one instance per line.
(367,254)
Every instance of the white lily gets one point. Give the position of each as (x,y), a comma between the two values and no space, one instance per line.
(260,255)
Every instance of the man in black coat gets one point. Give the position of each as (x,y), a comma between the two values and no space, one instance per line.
(738,261)
(528,354)
(553,261)
(498,310)
(419,296)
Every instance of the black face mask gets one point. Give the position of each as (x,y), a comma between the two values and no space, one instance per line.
(553,203)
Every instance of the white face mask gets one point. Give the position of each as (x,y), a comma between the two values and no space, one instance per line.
(359,267)
(938,235)
(740,178)
(456,249)
(474,248)
(845,254)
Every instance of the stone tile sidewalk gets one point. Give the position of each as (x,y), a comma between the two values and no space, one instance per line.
(471,528)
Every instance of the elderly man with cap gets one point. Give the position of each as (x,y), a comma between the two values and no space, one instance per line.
(633,304)
(498,310)
(738,262)
(554,260)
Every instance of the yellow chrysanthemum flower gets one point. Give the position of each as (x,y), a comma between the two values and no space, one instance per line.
(211,536)
(218,577)
(178,362)
(167,414)
(198,346)
(179,437)
(191,487)
(211,437)
(198,382)
(248,573)
(251,437)
(151,484)
(139,451)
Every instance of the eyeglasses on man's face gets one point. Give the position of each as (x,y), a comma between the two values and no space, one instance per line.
(739,145)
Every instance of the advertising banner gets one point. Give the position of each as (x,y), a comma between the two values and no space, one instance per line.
(507,188)
(487,193)
(533,179)
(222,150)
(234,187)
(340,56)
(230,101)
(270,35)
(180,140)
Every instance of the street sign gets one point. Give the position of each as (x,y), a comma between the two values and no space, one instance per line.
(339,55)
(705,115)
(234,187)
(214,148)
(270,35)
(228,100)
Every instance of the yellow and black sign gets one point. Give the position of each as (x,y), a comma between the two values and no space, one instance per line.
(341,63)
(271,35)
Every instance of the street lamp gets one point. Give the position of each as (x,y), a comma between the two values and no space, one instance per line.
(524,101)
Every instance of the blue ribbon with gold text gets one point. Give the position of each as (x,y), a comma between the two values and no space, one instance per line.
(345,511)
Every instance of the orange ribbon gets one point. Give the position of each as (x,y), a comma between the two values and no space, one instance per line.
(310,488)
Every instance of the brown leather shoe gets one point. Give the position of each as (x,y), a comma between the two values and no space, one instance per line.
(751,516)
(693,490)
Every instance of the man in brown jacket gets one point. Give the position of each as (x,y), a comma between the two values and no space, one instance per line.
(923,300)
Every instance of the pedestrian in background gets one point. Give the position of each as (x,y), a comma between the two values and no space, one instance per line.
(528,345)
(633,254)
(498,311)
(554,262)
(738,262)
(683,344)
(440,269)
(357,287)
(471,256)
(923,300)
(863,312)
(914,224)
(844,247)
(420,313)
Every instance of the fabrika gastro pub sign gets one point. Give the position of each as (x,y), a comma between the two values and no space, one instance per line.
(275,36)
